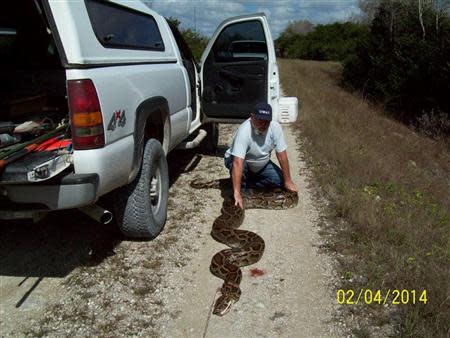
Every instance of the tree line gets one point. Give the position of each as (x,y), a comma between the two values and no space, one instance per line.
(398,54)
(196,41)
(332,42)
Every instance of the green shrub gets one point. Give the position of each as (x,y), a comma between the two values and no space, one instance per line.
(196,42)
(402,65)
(332,42)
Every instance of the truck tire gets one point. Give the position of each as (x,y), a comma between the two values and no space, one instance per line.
(141,206)
(209,144)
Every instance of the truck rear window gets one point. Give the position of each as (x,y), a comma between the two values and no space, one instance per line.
(119,27)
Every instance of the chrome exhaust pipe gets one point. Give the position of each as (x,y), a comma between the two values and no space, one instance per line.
(195,142)
(97,213)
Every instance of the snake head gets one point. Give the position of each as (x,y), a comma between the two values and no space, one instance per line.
(223,305)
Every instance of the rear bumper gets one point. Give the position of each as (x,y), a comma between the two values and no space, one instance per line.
(70,191)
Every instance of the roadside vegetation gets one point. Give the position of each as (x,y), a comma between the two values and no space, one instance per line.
(389,188)
(336,41)
(403,63)
(395,54)
(196,41)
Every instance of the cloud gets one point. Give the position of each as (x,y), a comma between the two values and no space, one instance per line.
(206,15)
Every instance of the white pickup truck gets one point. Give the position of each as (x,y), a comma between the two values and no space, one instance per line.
(111,88)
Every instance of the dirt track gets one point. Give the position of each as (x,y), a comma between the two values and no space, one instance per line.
(68,276)
(290,299)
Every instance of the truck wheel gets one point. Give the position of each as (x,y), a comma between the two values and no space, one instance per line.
(209,144)
(141,206)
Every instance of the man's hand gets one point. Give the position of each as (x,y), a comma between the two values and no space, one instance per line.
(238,200)
(284,163)
(236,175)
(289,185)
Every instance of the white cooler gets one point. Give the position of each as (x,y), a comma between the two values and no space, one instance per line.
(287,109)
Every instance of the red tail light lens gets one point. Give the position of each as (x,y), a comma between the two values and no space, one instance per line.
(85,115)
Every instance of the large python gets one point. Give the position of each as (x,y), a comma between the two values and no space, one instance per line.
(246,247)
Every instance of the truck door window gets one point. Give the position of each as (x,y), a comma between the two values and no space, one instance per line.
(240,42)
(119,27)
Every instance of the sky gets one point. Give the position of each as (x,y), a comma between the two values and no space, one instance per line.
(206,15)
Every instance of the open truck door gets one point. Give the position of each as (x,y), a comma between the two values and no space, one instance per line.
(239,69)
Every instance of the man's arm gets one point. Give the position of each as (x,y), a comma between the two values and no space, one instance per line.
(236,175)
(284,163)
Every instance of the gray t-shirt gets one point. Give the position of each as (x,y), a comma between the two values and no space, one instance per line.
(256,149)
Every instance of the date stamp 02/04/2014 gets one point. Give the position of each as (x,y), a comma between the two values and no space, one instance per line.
(393,297)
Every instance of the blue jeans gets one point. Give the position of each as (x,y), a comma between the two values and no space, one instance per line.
(270,176)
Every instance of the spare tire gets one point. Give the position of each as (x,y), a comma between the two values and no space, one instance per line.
(141,206)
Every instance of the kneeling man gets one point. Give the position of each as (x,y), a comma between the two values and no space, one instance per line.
(248,158)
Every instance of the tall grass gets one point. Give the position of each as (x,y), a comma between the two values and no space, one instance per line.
(390,185)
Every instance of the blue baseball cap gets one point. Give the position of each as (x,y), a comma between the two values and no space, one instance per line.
(263,111)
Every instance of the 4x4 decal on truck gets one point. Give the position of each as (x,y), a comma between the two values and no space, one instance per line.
(119,115)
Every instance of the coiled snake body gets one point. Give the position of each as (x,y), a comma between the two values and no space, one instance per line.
(246,247)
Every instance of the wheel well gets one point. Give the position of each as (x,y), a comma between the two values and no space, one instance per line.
(157,127)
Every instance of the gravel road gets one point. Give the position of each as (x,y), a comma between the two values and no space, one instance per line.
(290,299)
(68,276)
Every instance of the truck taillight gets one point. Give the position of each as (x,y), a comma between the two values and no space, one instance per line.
(85,114)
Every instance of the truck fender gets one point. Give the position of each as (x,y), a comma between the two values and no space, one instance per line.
(152,110)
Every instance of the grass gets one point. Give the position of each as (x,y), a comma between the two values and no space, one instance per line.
(389,184)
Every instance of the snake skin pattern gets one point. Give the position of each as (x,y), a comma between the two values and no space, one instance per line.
(246,247)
